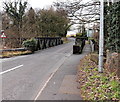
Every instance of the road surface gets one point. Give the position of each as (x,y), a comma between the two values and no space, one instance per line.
(29,77)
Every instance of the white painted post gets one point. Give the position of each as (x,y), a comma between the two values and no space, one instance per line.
(101,37)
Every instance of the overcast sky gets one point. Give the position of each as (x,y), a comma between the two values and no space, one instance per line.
(40,3)
(44,3)
(37,3)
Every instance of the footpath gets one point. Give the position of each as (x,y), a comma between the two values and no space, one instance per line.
(63,85)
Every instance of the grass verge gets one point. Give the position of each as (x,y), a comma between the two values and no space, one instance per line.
(95,85)
(8,54)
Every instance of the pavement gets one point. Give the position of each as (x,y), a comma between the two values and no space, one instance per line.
(43,75)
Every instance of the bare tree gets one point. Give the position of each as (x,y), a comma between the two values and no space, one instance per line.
(78,10)
(16,11)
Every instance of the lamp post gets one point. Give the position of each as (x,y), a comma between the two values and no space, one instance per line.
(101,37)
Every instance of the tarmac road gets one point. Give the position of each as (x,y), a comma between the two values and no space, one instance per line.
(27,77)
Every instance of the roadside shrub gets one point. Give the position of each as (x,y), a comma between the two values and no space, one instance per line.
(30,44)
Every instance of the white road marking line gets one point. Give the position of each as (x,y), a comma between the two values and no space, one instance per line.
(46,83)
(10,69)
(44,86)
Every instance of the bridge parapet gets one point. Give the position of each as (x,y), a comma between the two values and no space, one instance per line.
(46,42)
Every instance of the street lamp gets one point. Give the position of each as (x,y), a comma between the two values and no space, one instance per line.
(101,37)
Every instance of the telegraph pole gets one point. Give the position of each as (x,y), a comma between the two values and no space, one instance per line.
(101,36)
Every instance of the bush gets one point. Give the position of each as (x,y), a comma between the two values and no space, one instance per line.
(30,44)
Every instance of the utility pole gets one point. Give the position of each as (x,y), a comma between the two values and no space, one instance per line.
(101,36)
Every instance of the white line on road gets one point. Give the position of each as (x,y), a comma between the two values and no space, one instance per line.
(44,86)
(59,65)
(10,69)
